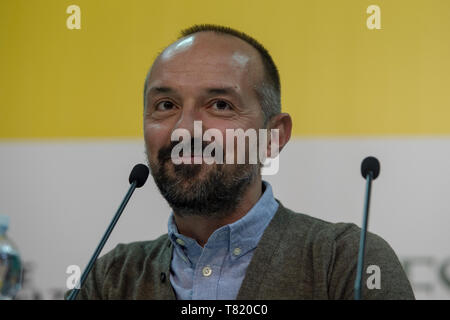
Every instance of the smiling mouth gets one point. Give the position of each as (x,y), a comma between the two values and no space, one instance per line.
(197,159)
(192,159)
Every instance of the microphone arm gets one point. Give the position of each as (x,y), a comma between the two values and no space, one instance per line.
(370,169)
(137,178)
(362,240)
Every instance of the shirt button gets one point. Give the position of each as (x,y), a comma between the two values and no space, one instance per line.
(237,251)
(207,271)
(180,242)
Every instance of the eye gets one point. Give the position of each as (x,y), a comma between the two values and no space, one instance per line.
(164,106)
(221,105)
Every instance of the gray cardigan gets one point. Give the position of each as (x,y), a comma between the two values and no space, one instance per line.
(298,257)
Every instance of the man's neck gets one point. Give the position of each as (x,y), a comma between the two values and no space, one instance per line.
(200,228)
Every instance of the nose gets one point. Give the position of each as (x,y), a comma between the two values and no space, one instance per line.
(188,118)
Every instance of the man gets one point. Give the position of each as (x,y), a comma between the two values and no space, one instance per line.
(228,237)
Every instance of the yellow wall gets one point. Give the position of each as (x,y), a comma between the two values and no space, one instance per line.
(338,77)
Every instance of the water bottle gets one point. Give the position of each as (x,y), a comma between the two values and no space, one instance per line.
(10,264)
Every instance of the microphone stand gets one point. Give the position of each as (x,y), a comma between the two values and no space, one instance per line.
(74,293)
(362,240)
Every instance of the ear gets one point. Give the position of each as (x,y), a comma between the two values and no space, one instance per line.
(283,123)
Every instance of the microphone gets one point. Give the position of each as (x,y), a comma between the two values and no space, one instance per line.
(137,179)
(370,169)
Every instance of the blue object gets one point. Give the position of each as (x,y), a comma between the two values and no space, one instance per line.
(10,264)
(217,270)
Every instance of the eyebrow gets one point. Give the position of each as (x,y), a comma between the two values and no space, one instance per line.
(224,91)
(209,91)
(155,90)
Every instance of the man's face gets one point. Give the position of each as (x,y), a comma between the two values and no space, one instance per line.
(209,78)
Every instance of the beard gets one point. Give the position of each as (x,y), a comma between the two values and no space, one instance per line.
(212,191)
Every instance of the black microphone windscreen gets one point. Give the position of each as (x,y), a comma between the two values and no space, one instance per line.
(139,174)
(370,164)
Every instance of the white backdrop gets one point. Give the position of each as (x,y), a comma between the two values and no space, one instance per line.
(61,195)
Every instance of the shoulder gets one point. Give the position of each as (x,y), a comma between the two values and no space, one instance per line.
(135,251)
(333,248)
(341,240)
(113,272)
(313,229)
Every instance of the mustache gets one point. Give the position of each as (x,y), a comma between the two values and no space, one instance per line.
(165,153)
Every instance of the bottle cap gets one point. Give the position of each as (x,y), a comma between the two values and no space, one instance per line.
(4,221)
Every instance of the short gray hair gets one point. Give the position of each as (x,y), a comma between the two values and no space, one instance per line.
(269,99)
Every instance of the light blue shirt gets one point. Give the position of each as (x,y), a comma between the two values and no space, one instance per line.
(216,271)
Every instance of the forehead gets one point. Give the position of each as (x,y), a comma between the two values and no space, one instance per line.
(207,57)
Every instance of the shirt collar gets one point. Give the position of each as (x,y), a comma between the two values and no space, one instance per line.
(243,234)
